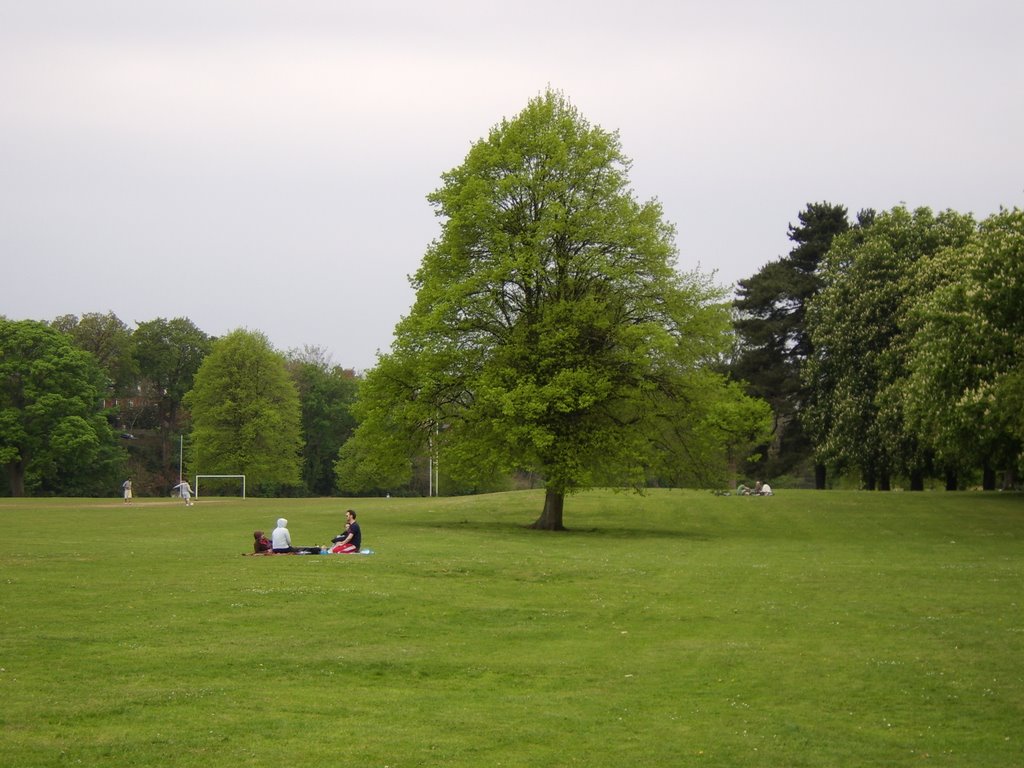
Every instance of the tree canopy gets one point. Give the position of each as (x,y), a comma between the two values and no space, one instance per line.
(108,339)
(551,331)
(326,393)
(245,413)
(53,434)
(169,353)
(965,371)
(860,325)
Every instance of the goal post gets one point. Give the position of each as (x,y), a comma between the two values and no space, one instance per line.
(198,477)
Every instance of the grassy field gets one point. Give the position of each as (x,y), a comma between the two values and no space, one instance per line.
(677,629)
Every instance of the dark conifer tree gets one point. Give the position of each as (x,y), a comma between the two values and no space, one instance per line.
(772,339)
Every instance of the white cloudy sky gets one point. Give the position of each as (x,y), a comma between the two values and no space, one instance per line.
(264,165)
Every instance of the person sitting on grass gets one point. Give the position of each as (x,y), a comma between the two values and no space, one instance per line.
(260,545)
(281,542)
(766,490)
(352,539)
(281,539)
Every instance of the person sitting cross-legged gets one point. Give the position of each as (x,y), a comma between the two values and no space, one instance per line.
(352,539)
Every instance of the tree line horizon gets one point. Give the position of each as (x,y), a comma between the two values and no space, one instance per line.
(554,342)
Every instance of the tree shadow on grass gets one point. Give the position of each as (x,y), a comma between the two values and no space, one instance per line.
(504,528)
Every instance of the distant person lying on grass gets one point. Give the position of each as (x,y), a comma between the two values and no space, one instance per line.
(351,539)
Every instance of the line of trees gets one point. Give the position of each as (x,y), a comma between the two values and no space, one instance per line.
(554,341)
(52,434)
(891,347)
(86,401)
(70,389)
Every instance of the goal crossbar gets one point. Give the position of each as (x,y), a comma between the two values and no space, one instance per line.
(220,476)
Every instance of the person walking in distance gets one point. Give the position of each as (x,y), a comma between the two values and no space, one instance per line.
(186,492)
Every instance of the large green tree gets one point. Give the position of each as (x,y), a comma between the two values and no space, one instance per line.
(551,331)
(378,458)
(53,434)
(771,330)
(245,413)
(169,353)
(326,395)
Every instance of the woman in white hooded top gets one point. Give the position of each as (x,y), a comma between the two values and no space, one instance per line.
(280,539)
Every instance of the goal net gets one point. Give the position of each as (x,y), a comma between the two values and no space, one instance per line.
(220,484)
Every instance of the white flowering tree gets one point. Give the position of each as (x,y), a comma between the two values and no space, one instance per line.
(965,388)
(859,327)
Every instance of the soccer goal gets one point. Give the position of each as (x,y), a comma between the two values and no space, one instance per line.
(236,477)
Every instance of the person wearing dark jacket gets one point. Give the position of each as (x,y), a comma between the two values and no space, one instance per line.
(352,539)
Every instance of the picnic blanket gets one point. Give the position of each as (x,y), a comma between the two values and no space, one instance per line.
(308,551)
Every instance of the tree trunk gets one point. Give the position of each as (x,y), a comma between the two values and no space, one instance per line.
(917,480)
(1009,480)
(988,479)
(819,477)
(952,482)
(551,518)
(868,480)
(16,478)
(884,483)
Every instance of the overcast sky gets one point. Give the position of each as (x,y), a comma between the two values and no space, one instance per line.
(264,165)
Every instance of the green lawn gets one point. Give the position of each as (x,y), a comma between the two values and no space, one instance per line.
(676,629)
